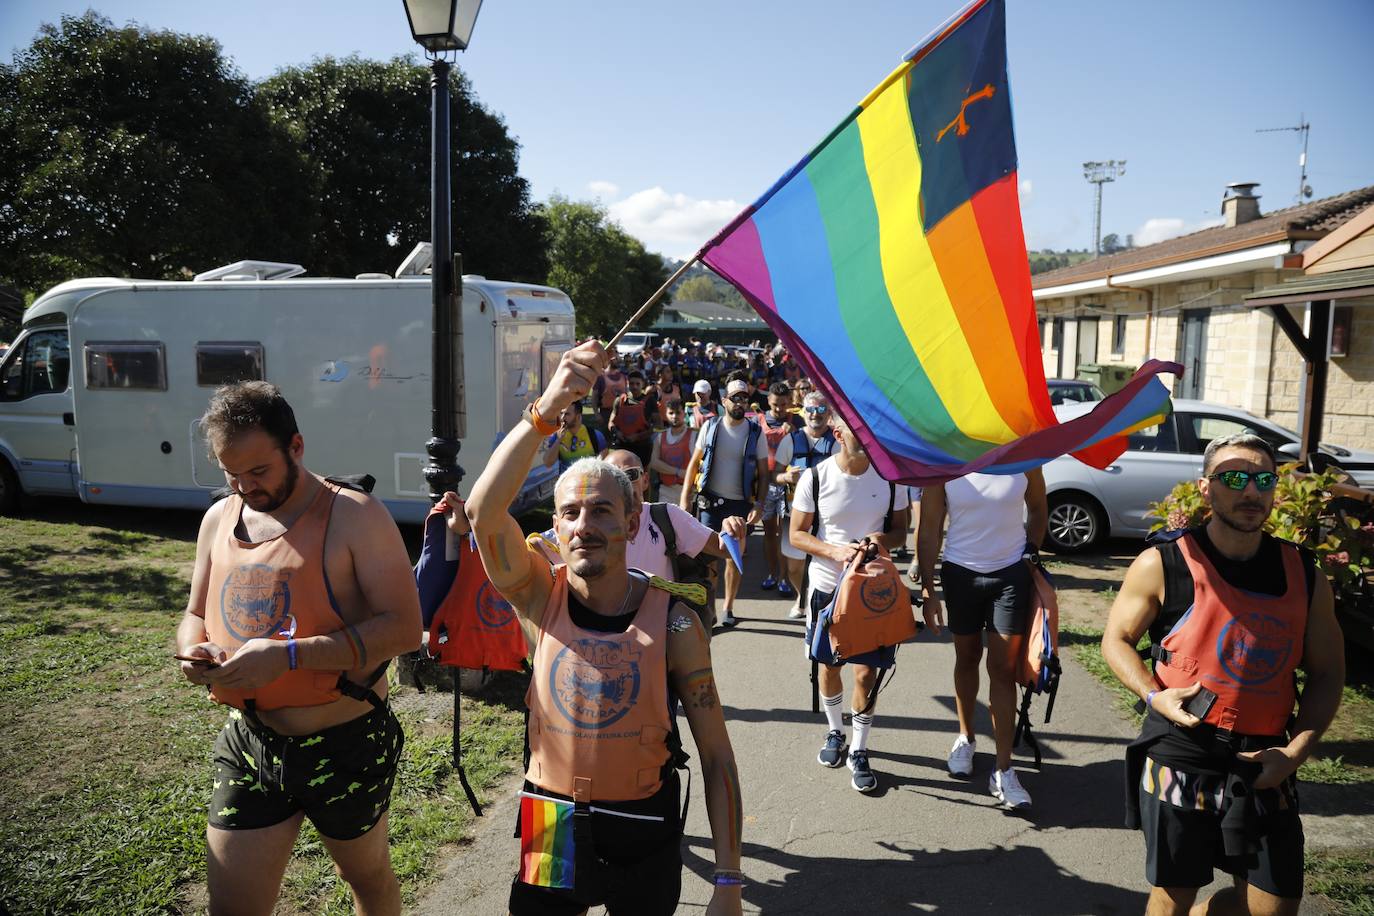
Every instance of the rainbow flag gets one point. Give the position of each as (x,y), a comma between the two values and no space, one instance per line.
(891,263)
(546,841)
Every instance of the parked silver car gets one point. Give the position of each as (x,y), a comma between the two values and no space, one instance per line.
(1087,504)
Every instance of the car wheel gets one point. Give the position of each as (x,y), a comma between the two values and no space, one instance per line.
(9,489)
(1076,522)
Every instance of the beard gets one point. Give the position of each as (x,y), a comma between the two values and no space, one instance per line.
(270,501)
(1245,524)
(737,411)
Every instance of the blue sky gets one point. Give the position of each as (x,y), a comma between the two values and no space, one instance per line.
(675,115)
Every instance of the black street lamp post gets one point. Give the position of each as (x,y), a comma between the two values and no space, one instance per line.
(441,26)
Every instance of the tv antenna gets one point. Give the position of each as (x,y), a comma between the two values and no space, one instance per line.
(1099,173)
(1304,189)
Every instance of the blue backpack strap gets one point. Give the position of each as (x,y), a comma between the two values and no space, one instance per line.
(751,464)
(708,450)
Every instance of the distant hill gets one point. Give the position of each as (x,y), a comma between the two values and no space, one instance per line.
(702,284)
(1048,259)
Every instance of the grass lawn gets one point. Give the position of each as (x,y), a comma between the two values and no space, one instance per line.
(105,748)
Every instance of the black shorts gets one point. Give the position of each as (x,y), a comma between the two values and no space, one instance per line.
(883,657)
(976,601)
(340,777)
(637,868)
(1183,844)
(716,509)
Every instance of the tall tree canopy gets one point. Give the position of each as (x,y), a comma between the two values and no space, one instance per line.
(607,273)
(364,127)
(137,152)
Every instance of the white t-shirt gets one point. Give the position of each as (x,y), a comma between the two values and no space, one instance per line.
(851,507)
(987,521)
(727,464)
(645,550)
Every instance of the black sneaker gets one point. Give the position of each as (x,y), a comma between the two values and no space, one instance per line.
(832,755)
(863,778)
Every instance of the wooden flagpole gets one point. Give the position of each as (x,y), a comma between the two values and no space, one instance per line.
(652,299)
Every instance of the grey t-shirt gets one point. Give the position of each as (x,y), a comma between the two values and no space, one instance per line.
(727,465)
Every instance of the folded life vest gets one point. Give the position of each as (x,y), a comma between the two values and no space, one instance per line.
(871,607)
(1038,668)
(470,624)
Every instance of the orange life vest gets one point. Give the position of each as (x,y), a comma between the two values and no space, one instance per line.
(613,385)
(630,419)
(1242,646)
(598,725)
(702,415)
(272,589)
(473,627)
(675,453)
(773,435)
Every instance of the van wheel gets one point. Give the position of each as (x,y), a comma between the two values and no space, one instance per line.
(9,489)
(1076,522)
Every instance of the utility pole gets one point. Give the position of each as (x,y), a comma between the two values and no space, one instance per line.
(1099,173)
(1304,128)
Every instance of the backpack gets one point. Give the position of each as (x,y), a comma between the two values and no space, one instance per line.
(689,570)
(871,607)
(1038,669)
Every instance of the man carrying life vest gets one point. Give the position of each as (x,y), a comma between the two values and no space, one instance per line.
(300,596)
(777,425)
(838,503)
(727,475)
(573,440)
(633,417)
(800,451)
(672,451)
(612,652)
(610,385)
(1232,612)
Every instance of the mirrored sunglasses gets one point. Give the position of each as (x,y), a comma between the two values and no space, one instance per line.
(739,398)
(633,473)
(1237,480)
(818,409)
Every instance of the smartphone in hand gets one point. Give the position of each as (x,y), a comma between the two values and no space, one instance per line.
(197,660)
(1200,703)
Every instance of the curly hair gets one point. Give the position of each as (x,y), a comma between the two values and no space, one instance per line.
(245,406)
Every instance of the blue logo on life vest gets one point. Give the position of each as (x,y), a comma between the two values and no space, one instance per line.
(494,611)
(1253,648)
(255,601)
(595,682)
(878,595)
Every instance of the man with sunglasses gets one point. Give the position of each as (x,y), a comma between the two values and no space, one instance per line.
(799,452)
(727,476)
(1232,612)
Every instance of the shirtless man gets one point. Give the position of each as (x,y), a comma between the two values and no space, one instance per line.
(302,593)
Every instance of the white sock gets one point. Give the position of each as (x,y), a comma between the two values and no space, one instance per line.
(833,714)
(862,724)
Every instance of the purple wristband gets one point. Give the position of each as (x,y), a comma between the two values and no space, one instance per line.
(726,880)
(1150,699)
(291,652)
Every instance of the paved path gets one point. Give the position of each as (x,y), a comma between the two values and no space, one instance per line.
(921,841)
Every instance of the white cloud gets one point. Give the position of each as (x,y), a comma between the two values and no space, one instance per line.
(604,189)
(1158,228)
(672,224)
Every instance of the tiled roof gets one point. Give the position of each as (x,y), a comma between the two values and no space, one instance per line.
(1304,221)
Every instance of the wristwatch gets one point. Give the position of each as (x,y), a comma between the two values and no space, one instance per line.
(541,426)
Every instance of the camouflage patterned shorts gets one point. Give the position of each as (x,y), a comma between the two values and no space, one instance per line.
(340,777)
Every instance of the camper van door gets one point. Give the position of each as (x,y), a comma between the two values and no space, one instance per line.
(35,405)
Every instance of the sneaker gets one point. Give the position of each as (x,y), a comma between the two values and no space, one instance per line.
(768,584)
(784,589)
(796,613)
(728,619)
(863,778)
(961,758)
(832,755)
(1007,788)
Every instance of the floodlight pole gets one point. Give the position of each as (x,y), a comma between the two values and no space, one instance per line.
(1099,173)
(448,420)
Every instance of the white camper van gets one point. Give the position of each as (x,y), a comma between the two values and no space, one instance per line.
(101,392)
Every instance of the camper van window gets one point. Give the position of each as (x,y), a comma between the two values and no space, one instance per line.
(222,363)
(39,365)
(126,365)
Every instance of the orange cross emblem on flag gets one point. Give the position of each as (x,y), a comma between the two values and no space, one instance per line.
(960,125)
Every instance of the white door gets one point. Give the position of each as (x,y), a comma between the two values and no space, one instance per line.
(36,411)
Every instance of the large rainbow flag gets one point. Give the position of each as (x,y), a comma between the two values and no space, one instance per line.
(891,263)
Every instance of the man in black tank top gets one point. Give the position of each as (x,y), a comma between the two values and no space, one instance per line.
(1207,795)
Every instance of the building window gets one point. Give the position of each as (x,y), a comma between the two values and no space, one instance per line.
(1057,334)
(1119,335)
(1342,317)
(129,365)
(1040,326)
(223,363)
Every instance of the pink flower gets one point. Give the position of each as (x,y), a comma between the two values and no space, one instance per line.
(1341,558)
(1177,518)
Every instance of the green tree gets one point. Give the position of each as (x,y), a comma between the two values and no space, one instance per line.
(137,152)
(697,289)
(608,274)
(365,127)
(1111,243)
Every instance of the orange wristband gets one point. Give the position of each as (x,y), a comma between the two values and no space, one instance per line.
(541,426)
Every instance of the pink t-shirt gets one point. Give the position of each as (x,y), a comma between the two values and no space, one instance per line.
(645,549)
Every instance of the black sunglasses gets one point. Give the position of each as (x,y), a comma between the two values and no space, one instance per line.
(1238,480)
(633,473)
(739,399)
